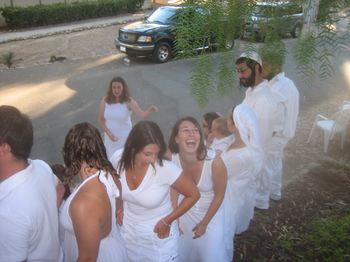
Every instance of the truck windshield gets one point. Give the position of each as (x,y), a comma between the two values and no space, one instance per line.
(162,15)
(264,10)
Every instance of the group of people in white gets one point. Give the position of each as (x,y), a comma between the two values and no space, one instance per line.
(139,200)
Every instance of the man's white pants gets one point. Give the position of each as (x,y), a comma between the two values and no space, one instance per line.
(271,174)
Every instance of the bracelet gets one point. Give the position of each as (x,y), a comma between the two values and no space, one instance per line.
(120,210)
(165,223)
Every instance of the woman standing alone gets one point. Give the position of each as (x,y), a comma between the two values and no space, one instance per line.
(114,116)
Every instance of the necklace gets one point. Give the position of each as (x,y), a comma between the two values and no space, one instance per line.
(82,181)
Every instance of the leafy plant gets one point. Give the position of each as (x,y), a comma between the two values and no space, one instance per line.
(9,59)
(224,21)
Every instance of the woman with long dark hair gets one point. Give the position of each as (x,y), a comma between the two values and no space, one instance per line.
(203,225)
(88,215)
(149,228)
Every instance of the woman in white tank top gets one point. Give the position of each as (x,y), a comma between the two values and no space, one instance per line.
(114,116)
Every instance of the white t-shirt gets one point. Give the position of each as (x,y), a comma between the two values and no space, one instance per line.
(151,200)
(28,215)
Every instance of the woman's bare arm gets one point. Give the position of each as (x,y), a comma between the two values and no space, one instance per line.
(219,174)
(138,111)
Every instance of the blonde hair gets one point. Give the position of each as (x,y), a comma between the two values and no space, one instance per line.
(222,126)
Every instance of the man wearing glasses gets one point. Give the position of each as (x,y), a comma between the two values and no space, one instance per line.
(259,97)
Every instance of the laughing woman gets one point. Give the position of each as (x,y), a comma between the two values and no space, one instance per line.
(115,111)
(203,225)
(149,228)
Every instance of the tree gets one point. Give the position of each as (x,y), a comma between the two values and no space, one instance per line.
(204,22)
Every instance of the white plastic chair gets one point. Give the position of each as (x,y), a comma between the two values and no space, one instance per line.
(338,123)
(344,105)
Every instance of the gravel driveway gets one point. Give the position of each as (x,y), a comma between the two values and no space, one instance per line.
(78,45)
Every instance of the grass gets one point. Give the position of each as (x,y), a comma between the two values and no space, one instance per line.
(9,59)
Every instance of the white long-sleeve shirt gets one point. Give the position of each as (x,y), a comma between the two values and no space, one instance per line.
(262,100)
(287,97)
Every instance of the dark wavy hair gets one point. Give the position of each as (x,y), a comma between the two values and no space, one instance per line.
(142,134)
(174,147)
(125,97)
(83,143)
(209,118)
(16,130)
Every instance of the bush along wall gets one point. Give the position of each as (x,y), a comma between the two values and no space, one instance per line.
(42,15)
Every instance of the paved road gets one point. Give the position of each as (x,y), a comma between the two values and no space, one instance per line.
(58,95)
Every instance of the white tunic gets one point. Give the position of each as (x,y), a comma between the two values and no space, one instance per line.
(287,96)
(118,122)
(211,246)
(144,207)
(112,247)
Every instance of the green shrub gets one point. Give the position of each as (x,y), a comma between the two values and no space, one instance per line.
(8,59)
(42,15)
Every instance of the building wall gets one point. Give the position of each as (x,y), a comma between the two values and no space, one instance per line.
(24,3)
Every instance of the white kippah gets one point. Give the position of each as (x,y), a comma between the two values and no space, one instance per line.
(252,55)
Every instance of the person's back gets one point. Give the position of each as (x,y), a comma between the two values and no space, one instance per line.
(284,87)
(28,198)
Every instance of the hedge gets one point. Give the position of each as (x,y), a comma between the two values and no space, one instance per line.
(42,15)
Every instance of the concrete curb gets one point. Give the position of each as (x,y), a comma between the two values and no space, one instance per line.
(72,30)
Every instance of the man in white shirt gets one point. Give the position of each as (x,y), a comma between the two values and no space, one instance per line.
(259,97)
(29,195)
(287,97)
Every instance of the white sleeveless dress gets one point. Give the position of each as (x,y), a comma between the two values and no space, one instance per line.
(239,164)
(112,247)
(211,246)
(118,122)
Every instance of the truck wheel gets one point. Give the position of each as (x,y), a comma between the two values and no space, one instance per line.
(297,30)
(161,52)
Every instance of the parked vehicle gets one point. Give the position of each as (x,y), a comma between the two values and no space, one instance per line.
(156,35)
(282,17)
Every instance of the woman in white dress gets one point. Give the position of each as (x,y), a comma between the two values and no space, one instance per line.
(114,116)
(87,218)
(203,225)
(243,160)
(149,226)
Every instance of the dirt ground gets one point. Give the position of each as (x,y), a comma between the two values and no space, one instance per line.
(299,204)
(281,234)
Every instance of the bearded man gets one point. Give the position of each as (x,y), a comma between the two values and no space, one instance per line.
(259,97)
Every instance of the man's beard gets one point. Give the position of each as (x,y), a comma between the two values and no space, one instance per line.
(249,81)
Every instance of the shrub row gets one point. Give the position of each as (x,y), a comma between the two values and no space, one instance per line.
(41,15)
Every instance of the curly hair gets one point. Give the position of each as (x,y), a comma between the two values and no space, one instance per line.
(174,147)
(83,143)
(125,96)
